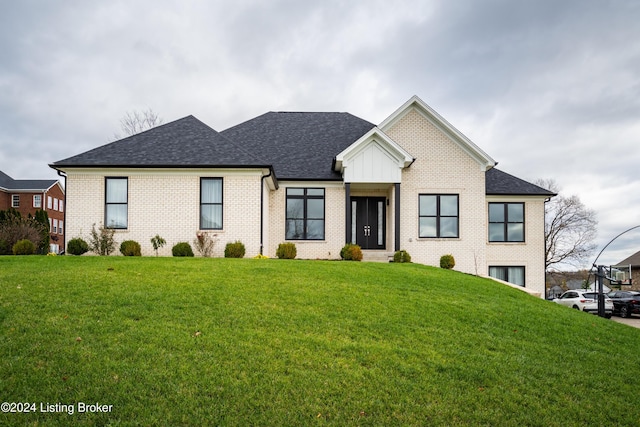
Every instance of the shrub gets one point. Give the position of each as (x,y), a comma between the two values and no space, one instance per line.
(157,243)
(77,246)
(401,256)
(101,241)
(286,251)
(14,227)
(351,252)
(205,242)
(130,248)
(234,250)
(447,261)
(24,247)
(182,249)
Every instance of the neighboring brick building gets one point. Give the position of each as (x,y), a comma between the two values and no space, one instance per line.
(29,195)
(414,182)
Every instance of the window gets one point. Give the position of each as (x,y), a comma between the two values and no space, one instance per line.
(15,201)
(439,215)
(211,203)
(116,197)
(60,227)
(49,202)
(305,214)
(61,206)
(55,226)
(513,275)
(37,200)
(506,222)
(55,204)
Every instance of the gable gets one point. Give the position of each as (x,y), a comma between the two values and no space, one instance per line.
(374,158)
(453,135)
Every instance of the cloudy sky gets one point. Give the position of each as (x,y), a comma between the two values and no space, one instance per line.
(549,88)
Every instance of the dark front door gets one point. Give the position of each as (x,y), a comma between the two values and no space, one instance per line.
(368,221)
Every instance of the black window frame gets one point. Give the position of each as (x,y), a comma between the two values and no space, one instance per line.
(506,222)
(107,203)
(220,203)
(305,197)
(438,216)
(506,271)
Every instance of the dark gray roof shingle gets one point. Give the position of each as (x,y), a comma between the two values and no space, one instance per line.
(299,145)
(501,183)
(11,184)
(186,142)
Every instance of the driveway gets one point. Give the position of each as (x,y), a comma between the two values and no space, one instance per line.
(631,321)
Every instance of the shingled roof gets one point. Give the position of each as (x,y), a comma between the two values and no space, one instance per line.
(9,184)
(300,146)
(186,142)
(498,183)
(633,260)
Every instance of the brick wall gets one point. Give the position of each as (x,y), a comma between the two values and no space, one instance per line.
(441,167)
(167,203)
(329,248)
(26,207)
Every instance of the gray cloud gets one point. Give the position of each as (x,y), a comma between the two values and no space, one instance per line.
(549,89)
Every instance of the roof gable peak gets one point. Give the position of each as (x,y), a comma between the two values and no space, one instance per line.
(417,104)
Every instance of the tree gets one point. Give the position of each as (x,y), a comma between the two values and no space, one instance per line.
(570,228)
(135,122)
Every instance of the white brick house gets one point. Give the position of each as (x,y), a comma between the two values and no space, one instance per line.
(320,180)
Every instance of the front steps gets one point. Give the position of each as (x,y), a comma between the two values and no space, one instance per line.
(376,256)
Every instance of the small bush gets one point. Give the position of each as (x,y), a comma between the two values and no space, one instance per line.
(24,247)
(286,251)
(130,248)
(77,246)
(205,243)
(101,241)
(401,256)
(157,243)
(351,252)
(234,250)
(182,249)
(447,261)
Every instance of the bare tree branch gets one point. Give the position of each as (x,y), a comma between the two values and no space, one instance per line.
(135,122)
(570,228)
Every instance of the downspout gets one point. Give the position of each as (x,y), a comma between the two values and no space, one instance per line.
(64,213)
(261,209)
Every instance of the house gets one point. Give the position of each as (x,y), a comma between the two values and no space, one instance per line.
(631,263)
(29,195)
(413,182)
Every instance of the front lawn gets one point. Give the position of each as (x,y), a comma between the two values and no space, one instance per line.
(169,341)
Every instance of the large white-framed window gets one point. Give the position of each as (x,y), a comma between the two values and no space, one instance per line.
(305,218)
(211,203)
(506,222)
(116,202)
(55,226)
(515,274)
(55,204)
(49,202)
(15,201)
(439,215)
(37,200)
(61,227)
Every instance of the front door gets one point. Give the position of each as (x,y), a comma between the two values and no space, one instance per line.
(368,222)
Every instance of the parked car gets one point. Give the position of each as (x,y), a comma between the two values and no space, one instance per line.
(625,302)
(585,300)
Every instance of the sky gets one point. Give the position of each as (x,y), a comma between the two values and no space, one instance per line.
(549,88)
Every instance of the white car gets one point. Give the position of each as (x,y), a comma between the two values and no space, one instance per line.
(585,300)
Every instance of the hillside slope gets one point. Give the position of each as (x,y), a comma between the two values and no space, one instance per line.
(169,341)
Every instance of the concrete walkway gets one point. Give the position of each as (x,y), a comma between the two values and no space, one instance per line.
(631,321)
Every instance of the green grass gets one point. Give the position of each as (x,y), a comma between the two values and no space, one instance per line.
(239,342)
